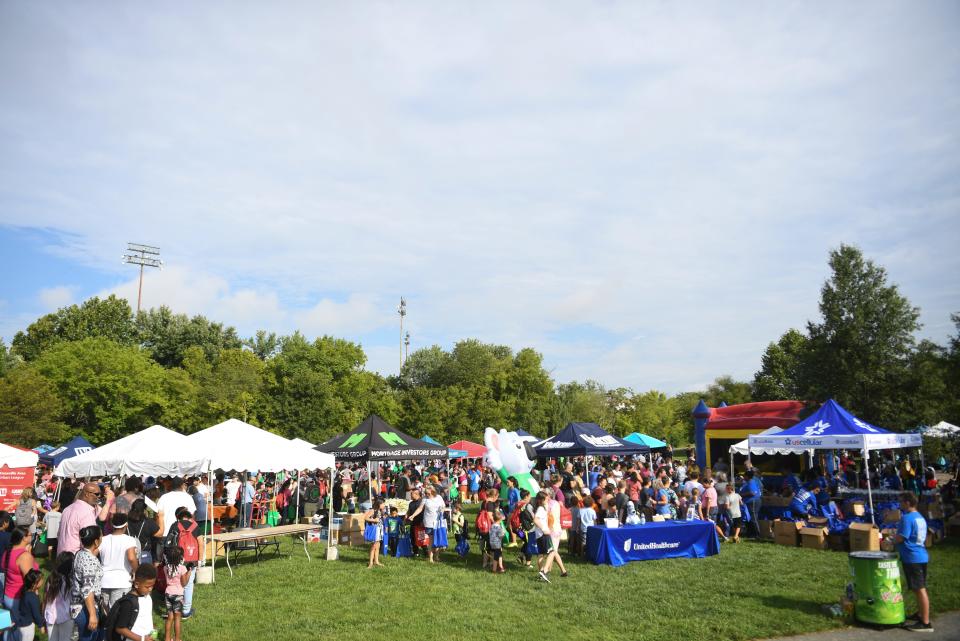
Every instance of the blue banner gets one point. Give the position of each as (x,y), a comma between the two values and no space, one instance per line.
(667,540)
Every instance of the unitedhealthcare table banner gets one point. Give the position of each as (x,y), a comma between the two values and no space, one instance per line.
(670,539)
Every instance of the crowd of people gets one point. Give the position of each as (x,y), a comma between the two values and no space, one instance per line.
(111,546)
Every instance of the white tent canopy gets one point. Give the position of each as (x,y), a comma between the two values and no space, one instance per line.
(300,441)
(155,451)
(942,430)
(235,445)
(743,448)
(15,457)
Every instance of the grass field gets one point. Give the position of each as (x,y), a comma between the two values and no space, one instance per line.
(749,591)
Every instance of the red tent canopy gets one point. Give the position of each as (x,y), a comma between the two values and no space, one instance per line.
(474,450)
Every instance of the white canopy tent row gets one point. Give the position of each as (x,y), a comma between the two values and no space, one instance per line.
(15,457)
(834,428)
(155,451)
(942,430)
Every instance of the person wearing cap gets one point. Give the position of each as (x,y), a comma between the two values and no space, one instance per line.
(120,557)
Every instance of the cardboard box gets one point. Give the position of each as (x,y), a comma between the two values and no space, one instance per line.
(892,516)
(838,542)
(932,510)
(864,537)
(210,546)
(787,532)
(814,538)
(818,521)
(766,529)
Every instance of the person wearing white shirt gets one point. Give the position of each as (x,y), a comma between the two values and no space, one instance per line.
(169,502)
(432,508)
(120,558)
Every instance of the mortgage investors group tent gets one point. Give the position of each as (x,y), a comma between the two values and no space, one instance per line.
(376,440)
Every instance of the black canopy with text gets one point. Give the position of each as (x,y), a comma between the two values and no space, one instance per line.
(376,440)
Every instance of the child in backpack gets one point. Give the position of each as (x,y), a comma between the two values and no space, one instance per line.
(183,534)
(56,599)
(695,504)
(529,547)
(497,532)
(132,616)
(683,502)
(28,618)
(177,577)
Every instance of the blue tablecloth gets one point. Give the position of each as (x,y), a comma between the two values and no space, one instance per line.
(670,539)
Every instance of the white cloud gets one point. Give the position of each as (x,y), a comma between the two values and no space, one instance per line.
(53,298)
(678,171)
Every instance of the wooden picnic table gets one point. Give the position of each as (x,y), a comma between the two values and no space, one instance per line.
(258,536)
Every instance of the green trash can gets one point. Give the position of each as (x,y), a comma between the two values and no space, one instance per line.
(876,588)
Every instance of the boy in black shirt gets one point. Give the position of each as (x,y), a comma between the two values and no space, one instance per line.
(130,617)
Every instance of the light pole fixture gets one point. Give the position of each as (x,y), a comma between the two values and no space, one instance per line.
(144,256)
(402,310)
(406,346)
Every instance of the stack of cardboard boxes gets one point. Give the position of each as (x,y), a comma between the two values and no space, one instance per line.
(351,531)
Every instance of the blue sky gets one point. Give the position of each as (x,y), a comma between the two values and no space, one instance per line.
(644,192)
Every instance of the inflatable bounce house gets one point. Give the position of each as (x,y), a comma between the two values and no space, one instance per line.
(717,428)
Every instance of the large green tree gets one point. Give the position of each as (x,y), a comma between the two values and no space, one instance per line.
(860,349)
(30,409)
(108,390)
(167,336)
(782,369)
(109,318)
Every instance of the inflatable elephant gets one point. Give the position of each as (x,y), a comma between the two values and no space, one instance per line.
(509,455)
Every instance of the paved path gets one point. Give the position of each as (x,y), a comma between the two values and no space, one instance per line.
(946,628)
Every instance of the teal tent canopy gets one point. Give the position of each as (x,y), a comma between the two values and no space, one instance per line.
(643,439)
(454,453)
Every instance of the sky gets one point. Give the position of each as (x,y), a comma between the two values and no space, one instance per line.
(644,192)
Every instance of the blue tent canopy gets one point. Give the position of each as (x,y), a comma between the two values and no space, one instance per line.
(644,439)
(429,440)
(77,445)
(526,436)
(586,439)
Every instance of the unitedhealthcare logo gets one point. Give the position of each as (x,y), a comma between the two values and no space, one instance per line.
(629,546)
(601,441)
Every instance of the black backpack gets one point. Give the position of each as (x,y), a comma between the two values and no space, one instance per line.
(526,518)
(113,618)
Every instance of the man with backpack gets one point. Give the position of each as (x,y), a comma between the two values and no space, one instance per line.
(183,533)
(169,503)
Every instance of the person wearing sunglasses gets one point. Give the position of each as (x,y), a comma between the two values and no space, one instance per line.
(83,512)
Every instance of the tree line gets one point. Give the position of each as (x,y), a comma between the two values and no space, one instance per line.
(101,371)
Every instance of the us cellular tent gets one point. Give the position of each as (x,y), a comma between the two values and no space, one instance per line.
(155,451)
(834,428)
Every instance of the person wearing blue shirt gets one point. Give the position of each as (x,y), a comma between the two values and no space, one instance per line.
(890,479)
(752,494)
(804,501)
(790,480)
(911,539)
(513,494)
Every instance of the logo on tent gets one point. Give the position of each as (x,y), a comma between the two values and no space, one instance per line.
(354,440)
(864,425)
(392,438)
(627,544)
(816,429)
(82,450)
(601,441)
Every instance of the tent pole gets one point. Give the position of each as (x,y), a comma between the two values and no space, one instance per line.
(296,513)
(330,512)
(920,477)
(866,465)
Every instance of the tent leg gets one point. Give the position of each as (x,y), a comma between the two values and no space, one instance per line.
(866,465)
(296,514)
(330,513)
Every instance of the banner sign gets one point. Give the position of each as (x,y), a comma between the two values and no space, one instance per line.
(667,540)
(12,482)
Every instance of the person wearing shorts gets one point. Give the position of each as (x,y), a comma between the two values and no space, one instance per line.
(911,539)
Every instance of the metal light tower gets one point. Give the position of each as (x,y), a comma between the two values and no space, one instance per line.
(406,345)
(402,310)
(145,256)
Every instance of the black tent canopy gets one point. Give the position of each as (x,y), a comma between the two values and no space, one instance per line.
(586,439)
(376,440)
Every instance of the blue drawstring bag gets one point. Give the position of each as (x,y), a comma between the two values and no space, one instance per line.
(440,533)
(403,547)
(531,547)
(463,546)
(371,533)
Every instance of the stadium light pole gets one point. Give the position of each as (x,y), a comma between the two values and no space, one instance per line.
(144,256)
(402,310)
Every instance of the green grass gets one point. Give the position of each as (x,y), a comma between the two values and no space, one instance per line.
(749,591)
